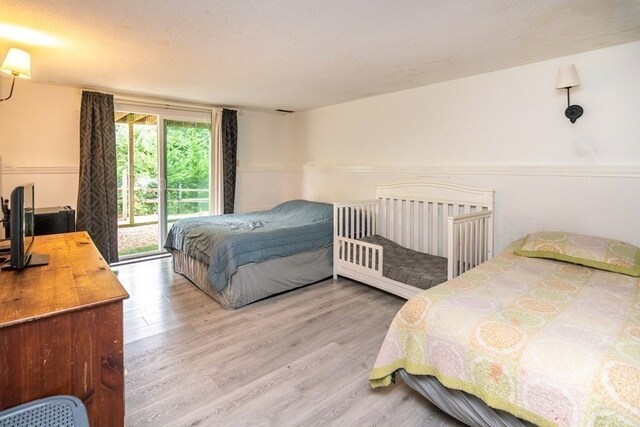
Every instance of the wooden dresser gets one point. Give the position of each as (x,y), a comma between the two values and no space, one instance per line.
(61,330)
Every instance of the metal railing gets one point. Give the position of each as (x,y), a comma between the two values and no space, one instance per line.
(149,196)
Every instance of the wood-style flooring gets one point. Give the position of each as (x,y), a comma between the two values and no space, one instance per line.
(299,358)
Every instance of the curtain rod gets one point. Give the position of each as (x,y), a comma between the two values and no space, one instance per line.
(160,103)
(164,104)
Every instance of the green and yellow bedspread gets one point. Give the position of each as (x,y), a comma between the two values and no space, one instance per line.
(550,342)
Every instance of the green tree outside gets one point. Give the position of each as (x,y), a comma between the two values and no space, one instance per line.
(187,167)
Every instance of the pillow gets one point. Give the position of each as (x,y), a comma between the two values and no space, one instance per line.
(597,252)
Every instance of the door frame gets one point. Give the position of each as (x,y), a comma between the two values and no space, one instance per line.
(166,112)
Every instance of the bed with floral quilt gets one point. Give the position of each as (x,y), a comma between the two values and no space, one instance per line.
(547,332)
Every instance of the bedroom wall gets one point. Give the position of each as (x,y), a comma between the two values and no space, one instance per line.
(39,142)
(270,161)
(504,130)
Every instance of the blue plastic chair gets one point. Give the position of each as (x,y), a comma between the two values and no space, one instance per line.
(54,411)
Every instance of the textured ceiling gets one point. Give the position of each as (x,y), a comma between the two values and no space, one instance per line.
(298,54)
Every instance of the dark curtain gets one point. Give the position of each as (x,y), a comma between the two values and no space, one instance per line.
(97,189)
(229,150)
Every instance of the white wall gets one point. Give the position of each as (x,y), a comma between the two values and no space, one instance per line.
(270,161)
(487,130)
(39,142)
(39,134)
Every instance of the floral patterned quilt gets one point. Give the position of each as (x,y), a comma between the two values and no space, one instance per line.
(553,343)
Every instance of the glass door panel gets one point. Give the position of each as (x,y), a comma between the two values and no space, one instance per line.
(187,160)
(138,195)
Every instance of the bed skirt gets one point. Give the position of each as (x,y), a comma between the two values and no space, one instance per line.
(463,406)
(253,282)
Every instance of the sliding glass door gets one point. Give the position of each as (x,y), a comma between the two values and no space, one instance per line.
(163,174)
(187,154)
(138,183)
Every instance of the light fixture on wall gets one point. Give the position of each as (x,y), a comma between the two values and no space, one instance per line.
(17,63)
(568,78)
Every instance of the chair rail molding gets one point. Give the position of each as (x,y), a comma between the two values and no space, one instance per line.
(613,171)
(40,170)
(63,170)
(274,168)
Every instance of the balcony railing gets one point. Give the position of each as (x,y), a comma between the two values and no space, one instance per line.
(179,201)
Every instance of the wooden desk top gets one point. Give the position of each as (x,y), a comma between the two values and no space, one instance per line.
(77,277)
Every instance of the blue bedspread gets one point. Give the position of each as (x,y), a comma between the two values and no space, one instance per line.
(226,242)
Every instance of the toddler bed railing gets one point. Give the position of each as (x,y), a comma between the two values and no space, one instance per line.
(436,218)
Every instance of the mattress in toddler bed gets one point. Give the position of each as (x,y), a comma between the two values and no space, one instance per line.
(405,265)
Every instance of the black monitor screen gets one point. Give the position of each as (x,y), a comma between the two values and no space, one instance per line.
(28,219)
(21,224)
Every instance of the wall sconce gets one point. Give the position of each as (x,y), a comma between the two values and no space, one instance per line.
(568,78)
(17,64)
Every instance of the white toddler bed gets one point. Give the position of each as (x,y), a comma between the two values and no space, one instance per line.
(412,219)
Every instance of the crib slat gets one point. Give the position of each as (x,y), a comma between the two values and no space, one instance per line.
(472,231)
(481,223)
(451,234)
(469,244)
(404,206)
(458,250)
(392,218)
(419,227)
(478,247)
(434,228)
(447,210)
(366,257)
(481,257)
(465,247)
(461,249)
(376,220)
(387,219)
(384,216)
(424,237)
(474,241)
(485,247)
(407,224)
(343,222)
(397,229)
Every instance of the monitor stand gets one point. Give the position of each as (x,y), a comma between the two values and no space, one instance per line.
(36,260)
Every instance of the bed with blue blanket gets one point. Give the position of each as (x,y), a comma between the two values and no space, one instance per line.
(241,258)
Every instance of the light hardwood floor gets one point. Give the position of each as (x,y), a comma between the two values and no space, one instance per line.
(299,358)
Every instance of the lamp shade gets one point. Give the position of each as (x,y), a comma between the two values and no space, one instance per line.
(17,63)
(567,77)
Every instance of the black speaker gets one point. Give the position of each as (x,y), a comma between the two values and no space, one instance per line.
(58,219)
